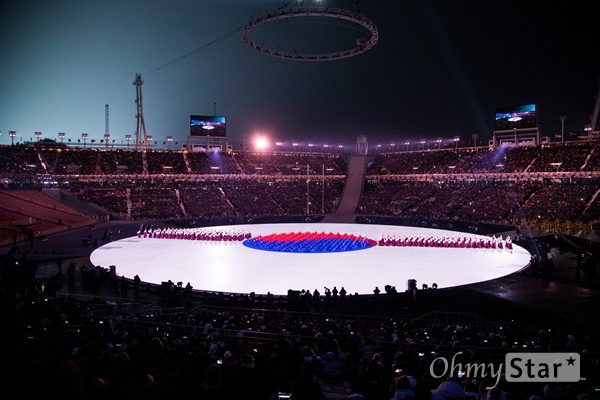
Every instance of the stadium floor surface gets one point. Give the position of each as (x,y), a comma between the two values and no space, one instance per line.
(231,267)
(526,295)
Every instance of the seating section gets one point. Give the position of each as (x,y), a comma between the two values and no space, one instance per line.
(155,203)
(503,185)
(111,348)
(205,199)
(167,341)
(114,199)
(28,213)
(170,162)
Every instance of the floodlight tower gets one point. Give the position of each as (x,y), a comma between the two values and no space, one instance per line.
(106,117)
(140,126)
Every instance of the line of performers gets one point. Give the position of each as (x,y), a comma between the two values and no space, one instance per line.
(468,242)
(215,235)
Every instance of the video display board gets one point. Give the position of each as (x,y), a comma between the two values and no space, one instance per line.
(204,125)
(516,117)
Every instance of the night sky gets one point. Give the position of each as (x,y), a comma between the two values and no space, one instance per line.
(439,69)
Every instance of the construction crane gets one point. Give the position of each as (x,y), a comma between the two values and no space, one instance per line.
(140,125)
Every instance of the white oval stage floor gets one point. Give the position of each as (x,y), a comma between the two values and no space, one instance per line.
(231,267)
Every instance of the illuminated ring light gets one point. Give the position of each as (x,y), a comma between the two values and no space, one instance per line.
(362,45)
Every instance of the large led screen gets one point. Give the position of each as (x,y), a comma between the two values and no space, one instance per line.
(203,125)
(517,117)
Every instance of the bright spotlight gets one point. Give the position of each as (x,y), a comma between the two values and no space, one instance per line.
(261,143)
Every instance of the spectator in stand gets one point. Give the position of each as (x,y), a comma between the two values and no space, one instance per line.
(448,390)
(329,366)
(246,380)
(471,388)
(403,389)
(348,367)
(374,380)
(213,385)
(306,387)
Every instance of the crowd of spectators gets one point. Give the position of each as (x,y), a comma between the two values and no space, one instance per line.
(166,162)
(392,197)
(212,163)
(111,197)
(155,203)
(220,346)
(497,185)
(559,201)
(561,158)
(60,160)
(84,162)
(501,159)
(64,160)
(482,200)
(205,198)
(98,348)
(20,160)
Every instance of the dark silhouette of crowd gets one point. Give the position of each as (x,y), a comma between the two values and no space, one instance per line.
(98,348)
